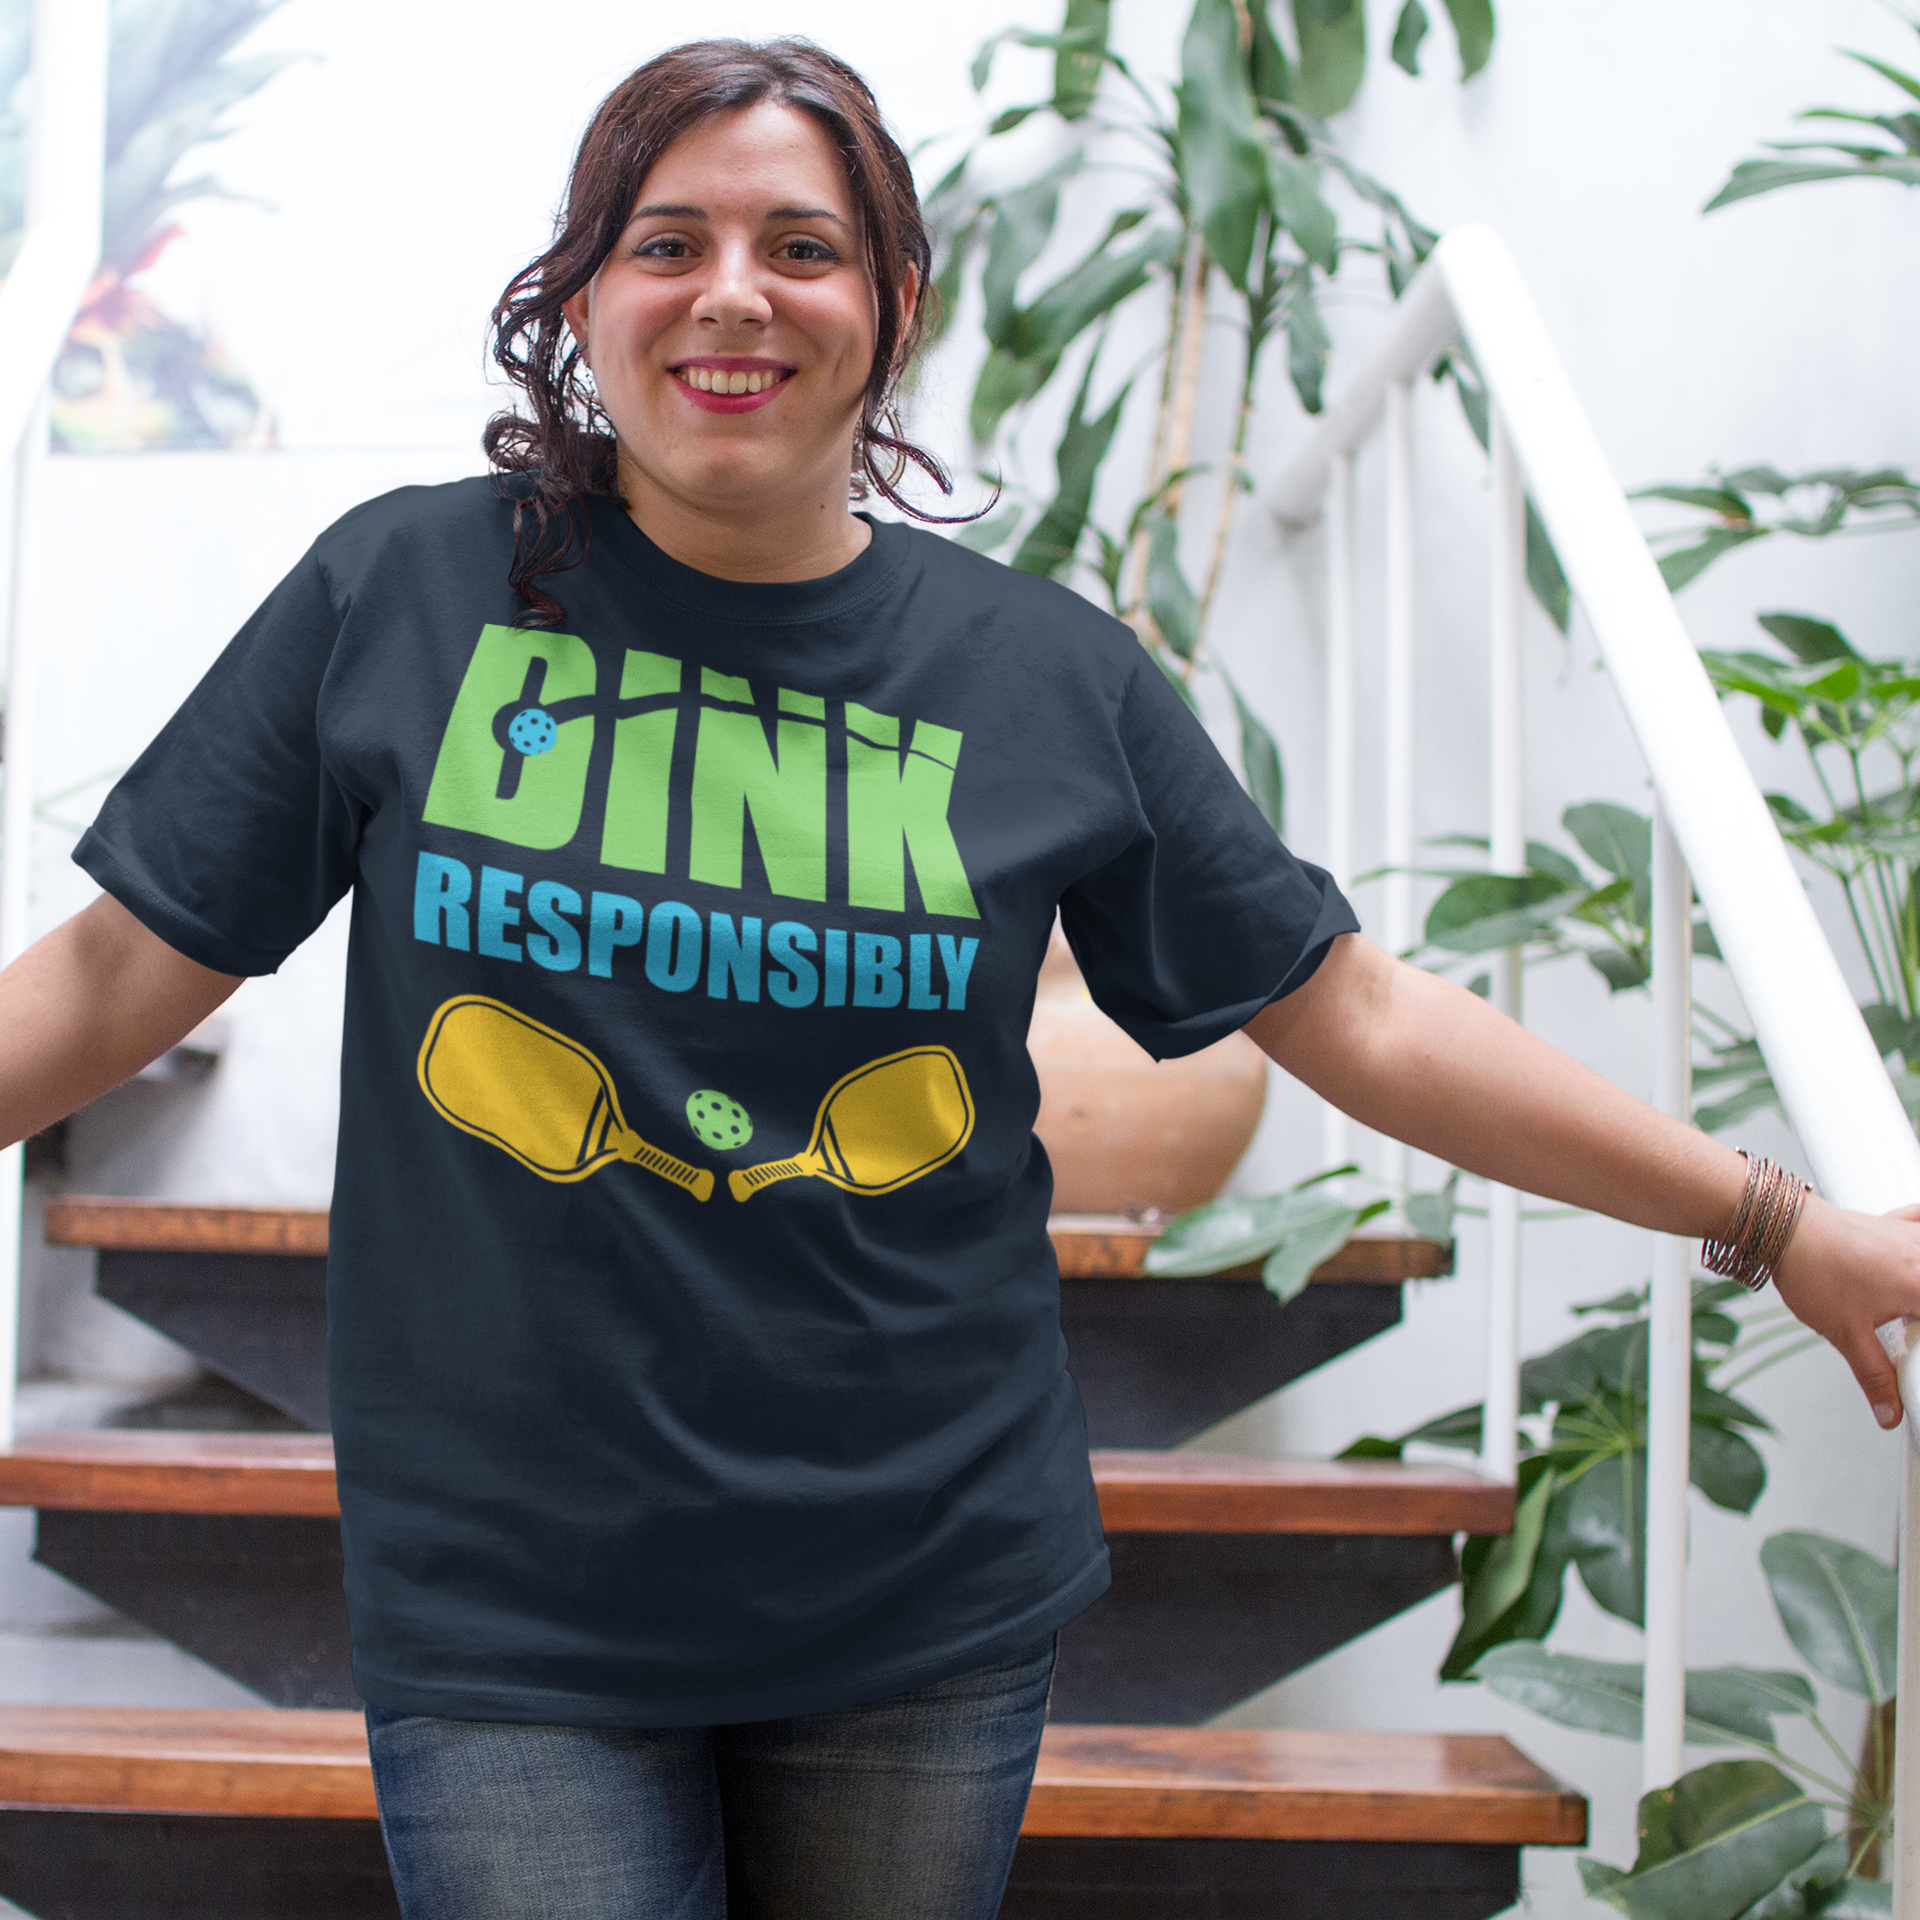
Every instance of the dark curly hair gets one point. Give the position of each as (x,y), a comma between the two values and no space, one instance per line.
(565,451)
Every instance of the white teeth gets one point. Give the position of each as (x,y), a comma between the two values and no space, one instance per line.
(756,382)
(736,383)
(703,379)
(710,380)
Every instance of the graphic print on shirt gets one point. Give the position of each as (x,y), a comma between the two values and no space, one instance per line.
(505,1077)
(879,1126)
(519,745)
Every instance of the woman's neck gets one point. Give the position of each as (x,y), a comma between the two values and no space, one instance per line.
(800,539)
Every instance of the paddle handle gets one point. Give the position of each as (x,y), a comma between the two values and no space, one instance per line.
(698,1181)
(744,1182)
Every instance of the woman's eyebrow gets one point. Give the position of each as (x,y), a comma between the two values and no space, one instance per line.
(665,210)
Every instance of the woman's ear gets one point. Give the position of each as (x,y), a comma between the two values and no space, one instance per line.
(575,308)
(909,297)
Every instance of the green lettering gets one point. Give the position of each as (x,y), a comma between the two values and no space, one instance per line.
(735,774)
(536,801)
(893,799)
(635,831)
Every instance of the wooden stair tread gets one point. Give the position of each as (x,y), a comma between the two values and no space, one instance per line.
(1107,1782)
(139,1471)
(118,1470)
(1188,1491)
(1088,1246)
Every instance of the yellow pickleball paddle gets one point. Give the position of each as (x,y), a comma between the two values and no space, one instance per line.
(879,1126)
(502,1076)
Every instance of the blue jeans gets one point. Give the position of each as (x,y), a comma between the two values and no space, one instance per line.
(903,1809)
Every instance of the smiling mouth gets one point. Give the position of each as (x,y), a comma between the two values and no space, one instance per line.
(719,380)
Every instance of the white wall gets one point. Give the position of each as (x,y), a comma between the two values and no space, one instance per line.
(413,166)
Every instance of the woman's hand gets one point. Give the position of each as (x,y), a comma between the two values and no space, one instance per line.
(1844,1274)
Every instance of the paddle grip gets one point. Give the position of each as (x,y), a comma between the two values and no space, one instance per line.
(744,1182)
(698,1181)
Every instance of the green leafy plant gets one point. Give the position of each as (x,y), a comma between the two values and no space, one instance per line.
(1581,1492)
(1894,155)
(1770,1837)
(1288,1233)
(1231,225)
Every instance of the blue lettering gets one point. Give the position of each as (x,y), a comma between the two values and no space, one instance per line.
(876,970)
(441,886)
(956,957)
(800,984)
(673,946)
(557,945)
(836,968)
(496,884)
(738,957)
(920,994)
(615,922)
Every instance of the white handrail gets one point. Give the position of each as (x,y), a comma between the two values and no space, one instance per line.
(66,157)
(1828,1072)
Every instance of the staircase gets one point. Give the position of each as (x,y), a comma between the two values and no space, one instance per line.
(1229,1573)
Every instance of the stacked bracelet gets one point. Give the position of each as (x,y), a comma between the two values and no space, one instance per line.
(1762,1224)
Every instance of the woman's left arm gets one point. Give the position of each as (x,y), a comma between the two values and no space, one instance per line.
(1415,1057)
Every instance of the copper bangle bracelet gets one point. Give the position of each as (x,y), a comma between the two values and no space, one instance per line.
(1761,1226)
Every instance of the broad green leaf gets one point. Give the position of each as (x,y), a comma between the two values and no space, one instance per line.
(1486,912)
(1858,1900)
(1077,68)
(1054,539)
(1231,1233)
(1171,601)
(1716,1841)
(1601,1521)
(1272,70)
(1806,1891)
(1721,500)
(1430,1215)
(1546,578)
(1726,1467)
(1260,757)
(1473,28)
(1308,344)
(1542,858)
(1905,81)
(1686,564)
(1408,32)
(1004,383)
(1009,118)
(1614,838)
(1752,177)
(1222,158)
(1622,971)
(1605,1696)
(1088,292)
(1507,1570)
(1807,639)
(1489,1559)
(1741,1703)
(1840,1607)
(1717,1115)
(1022,225)
(1333,54)
(982,69)
(1297,205)
(1318,1236)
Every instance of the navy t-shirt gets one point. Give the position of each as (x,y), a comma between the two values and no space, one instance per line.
(693,1331)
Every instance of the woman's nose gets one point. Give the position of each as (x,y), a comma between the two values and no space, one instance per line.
(731,293)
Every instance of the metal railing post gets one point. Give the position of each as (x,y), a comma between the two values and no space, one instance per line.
(1337,1133)
(1507,853)
(1670,1336)
(1397,915)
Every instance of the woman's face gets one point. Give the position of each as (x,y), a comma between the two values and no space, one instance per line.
(731,329)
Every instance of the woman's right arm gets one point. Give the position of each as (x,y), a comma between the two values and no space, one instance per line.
(89,1006)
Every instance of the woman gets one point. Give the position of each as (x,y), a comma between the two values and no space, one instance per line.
(712,1482)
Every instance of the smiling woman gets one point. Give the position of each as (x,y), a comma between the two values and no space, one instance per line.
(776,262)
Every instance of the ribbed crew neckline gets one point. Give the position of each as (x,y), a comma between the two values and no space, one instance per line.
(755,603)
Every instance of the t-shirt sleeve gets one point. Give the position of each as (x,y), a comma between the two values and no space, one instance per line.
(228,838)
(1204,916)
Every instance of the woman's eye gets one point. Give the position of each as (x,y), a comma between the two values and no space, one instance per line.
(666,247)
(806,249)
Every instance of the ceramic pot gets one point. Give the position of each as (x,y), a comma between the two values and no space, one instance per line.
(1126,1133)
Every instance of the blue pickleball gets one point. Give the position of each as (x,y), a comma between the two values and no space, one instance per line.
(533,730)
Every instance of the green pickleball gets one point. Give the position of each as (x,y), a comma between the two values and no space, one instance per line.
(718,1122)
